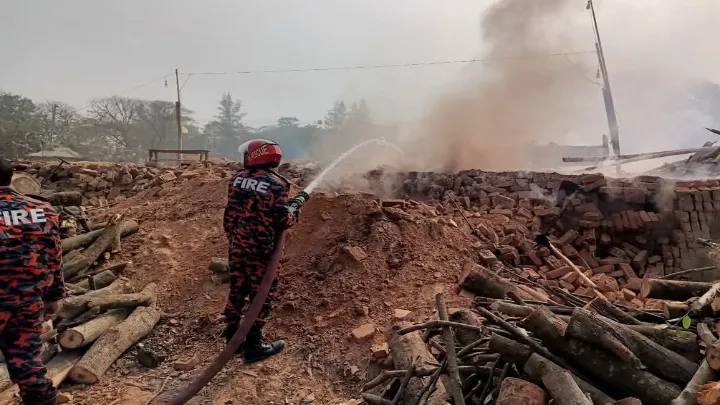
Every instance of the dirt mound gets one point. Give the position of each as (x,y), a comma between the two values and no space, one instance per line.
(352,261)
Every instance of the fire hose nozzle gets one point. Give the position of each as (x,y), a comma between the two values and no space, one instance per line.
(296,203)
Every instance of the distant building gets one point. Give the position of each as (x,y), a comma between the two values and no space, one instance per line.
(53,154)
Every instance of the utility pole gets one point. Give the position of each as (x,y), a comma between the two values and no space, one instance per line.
(51,141)
(178,114)
(607,94)
(52,125)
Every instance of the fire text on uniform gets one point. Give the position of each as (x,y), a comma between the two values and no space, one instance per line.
(22,217)
(251,184)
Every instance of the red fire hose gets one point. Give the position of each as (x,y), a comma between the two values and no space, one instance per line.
(252,313)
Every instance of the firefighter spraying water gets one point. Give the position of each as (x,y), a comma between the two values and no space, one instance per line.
(256,220)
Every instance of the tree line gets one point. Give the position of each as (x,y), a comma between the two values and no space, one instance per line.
(121,128)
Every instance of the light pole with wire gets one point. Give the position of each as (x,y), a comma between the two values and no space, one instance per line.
(607,94)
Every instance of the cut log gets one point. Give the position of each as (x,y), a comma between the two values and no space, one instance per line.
(521,311)
(712,346)
(630,346)
(101,280)
(537,366)
(594,361)
(111,345)
(129,227)
(64,198)
(510,309)
(520,335)
(72,289)
(674,309)
(605,306)
(49,351)
(57,369)
(538,294)
(563,389)
(85,334)
(689,395)
(219,265)
(681,342)
(409,349)
(4,378)
(466,336)
(115,268)
(481,281)
(514,391)
(509,349)
(70,255)
(94,251)
(455,383)
(673,290)
(74,306)
(146,297)
(706,299)
(79,320)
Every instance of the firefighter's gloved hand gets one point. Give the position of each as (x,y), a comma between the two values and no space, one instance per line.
(296,203)
(294,210)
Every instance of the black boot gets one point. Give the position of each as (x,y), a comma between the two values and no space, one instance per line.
(258,350)
(43,399)
(228,333)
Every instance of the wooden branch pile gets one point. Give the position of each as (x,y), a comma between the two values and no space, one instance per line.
(103,315)
(95,329)
(562,346)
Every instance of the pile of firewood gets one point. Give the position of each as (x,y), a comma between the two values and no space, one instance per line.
(571,348)
(103,315)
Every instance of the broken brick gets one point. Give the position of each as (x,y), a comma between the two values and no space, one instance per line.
(570,277)
(557,273)
(356,253)
(401,314)
(487,257)
(186,364)
(544,212)
(570,251)
(534,258)
(380,350)
(501,201)
(393,203)
(627,270)
(611,261)
(609,268)
(640,260)
(363,332)
(568,286)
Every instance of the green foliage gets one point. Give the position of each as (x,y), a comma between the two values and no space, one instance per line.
(19,128)
(686,322)
(122,128)
(227,131)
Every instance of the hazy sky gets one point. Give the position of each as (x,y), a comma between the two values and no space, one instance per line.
(75,50)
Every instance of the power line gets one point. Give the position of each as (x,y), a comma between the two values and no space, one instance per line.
(395,65)
(138,87)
